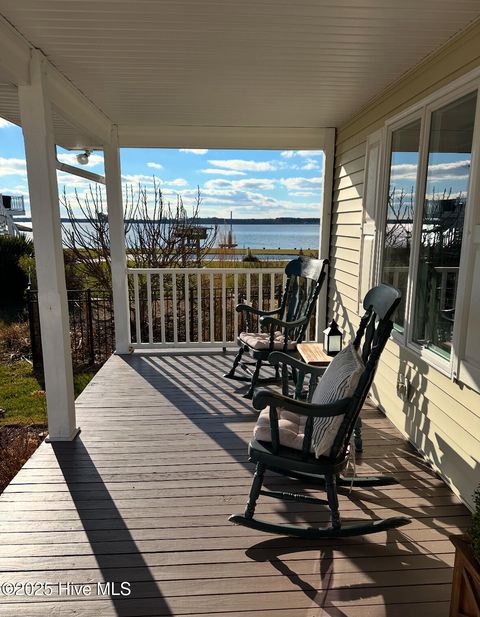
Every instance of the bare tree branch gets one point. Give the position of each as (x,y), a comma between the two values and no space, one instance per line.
(157,233)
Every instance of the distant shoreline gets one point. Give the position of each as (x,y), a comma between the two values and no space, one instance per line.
(213,221)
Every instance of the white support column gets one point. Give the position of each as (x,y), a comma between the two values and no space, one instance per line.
(52,295)
(113,183)
(325,226)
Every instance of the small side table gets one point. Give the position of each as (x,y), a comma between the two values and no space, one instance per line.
(312,353)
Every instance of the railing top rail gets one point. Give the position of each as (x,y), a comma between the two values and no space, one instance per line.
(447,268)
(203,270)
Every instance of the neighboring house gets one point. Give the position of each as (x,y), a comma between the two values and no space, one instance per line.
(10,206)
(422,137)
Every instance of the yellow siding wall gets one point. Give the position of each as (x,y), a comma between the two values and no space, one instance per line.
(442,419)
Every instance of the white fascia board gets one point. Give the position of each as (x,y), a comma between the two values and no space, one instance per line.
(14,54)
(223,137)
(77,108)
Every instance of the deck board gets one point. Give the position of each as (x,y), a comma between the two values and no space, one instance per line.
(144,493)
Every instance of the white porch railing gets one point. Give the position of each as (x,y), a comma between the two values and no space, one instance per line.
(448,278)
(180,307)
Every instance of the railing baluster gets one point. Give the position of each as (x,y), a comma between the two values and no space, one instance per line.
(162,308)
(137,308)
(272,291)
(187,309)
(224,307)
(260,295)
(308,290)
(235,302)
(212,310)
(149,307)
(248,284)
(174,306)
(199,308)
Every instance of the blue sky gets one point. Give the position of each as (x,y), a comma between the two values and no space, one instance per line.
(252,184)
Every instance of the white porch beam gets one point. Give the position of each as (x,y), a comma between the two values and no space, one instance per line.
(52,296)
(14,55)
(325,224)
(75,107)
(118,257)
(223,137)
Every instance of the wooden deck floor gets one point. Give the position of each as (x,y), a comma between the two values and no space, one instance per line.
(144,493)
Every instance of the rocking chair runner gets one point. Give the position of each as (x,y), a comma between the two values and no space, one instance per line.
(299,429)
(305,277)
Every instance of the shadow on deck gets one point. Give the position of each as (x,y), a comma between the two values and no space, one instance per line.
(143,496)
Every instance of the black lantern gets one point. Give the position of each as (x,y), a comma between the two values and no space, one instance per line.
(332,339)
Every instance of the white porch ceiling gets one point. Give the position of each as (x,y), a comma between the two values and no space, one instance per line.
(148,64)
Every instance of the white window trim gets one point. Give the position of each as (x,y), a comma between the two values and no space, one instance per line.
(399,337)
(423,110)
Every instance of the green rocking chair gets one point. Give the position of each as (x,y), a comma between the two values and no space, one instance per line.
(311,440)
(286,325)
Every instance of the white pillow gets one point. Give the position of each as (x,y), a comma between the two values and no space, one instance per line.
(339,381)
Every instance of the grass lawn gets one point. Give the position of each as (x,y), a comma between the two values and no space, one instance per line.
(22,394)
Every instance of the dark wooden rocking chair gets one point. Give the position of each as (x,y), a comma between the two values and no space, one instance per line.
(286,324)
(302,460)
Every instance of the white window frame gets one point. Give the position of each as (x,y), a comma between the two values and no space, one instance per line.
(423,110)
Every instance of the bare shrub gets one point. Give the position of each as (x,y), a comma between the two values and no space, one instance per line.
(17,444)
(14,341)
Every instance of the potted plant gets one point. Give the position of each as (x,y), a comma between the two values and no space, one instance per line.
(465,599)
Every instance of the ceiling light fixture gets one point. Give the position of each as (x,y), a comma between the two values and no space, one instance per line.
(83,157)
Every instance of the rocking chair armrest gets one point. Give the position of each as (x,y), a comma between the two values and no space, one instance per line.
(279,323)
(250,309)
(264,397)
(279,357)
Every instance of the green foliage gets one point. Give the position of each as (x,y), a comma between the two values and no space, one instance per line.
(22,393)
(27,264)
(475,527)
(13,279)
(81,381)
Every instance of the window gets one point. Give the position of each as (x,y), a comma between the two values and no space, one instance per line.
(402,190)
(425,206)
(441,233)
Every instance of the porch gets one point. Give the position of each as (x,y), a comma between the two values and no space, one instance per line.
(144,492)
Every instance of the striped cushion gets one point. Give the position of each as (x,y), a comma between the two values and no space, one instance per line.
(339,381)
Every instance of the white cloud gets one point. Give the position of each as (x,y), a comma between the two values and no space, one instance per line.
(310,165)
(140,179)
(215,201)
(223,172)
(303,193)
(4,124)
(288,154)
(193,150)
(455,170)
(71,159)
(301,184)
(177,182)
(12,167)
(241,165)
(253,184)
(155,165)
(69,181)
